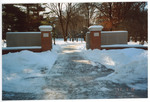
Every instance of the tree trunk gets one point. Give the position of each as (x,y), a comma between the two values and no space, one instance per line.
(61,21)
(65,38)
(28,24)
(66,33)
(88,14)
(110,16)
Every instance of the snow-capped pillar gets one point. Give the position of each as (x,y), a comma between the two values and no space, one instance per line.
(46,38)
(95,36)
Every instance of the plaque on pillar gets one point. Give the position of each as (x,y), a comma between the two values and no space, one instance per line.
(46,38)
(45,34)
(96,34)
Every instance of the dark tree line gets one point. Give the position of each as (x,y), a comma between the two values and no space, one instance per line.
(12,18)
(73,19)
(20,17)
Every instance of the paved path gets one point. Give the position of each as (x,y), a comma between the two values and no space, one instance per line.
(73,77)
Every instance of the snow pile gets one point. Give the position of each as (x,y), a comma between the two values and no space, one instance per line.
(96,28)
(123,45)
(130,65)
(103,32)
(45,28)
(4,44)
(56,48)
(20,68)
(137,43)
(25,47)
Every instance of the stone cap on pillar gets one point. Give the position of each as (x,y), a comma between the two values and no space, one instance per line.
(96,28)
(45,28)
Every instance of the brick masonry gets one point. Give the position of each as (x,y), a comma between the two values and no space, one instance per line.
(46,40)
(95,40)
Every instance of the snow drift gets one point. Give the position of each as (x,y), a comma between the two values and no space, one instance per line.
(130,65)
(20,67)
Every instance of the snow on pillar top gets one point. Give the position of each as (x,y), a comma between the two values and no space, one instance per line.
(96,28)
(45,28)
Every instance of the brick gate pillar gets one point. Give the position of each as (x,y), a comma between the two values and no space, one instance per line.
(46,38)
(95,36)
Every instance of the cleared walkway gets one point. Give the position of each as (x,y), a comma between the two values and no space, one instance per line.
(73,77)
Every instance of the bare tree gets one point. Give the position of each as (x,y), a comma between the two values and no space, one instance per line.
(130,16)
(63,11)
(88,11)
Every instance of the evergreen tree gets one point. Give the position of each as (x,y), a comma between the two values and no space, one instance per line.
(33,17)
(12,19)
(21,17)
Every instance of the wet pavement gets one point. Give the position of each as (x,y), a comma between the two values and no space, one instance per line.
(73,77)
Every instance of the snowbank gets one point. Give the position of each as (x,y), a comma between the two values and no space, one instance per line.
(4,44)
(130,65)
(25,47)
(21,67)
(123,45)
(113,32)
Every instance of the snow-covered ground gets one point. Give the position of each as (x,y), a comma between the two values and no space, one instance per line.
(130,65)
(19,66)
